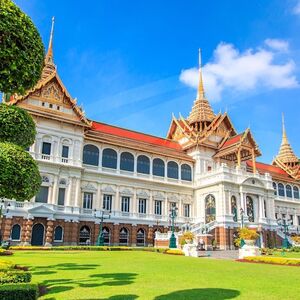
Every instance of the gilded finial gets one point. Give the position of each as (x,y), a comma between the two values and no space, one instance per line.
(49,55)
(284,137)
(200,94)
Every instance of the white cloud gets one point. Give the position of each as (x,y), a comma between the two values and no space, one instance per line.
(276,44)
(296,9)
(231,70)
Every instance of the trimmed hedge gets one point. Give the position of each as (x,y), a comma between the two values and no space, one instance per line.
(6,265)
(20,291)
(15,276)
(88,248)
(274,260)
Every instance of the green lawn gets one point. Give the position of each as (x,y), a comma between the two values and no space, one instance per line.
(132,275)
(287,254)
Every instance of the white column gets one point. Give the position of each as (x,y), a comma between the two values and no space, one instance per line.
(69,190)
(117,200)
(78,196)
(54,194)
(134,202)
(98,202)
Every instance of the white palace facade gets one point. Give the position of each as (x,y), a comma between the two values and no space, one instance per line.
(203,167)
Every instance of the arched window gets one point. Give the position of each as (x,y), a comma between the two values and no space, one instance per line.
(140,237)
(296,192)
(84,235)
(288,190)
(45,179)
(124,237)
(143,164)
(58,234)
(106,236)
(234,208)
(275,188)
(127,162)
(281,190)
(90,155)
(37,234)
(250,209)
(16,232)
(186,172)
(172,169)
(210,208)
(158,167)
(109,158)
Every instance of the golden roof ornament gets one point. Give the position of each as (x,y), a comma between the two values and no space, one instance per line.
(201,110)
(286,154)
(49,66)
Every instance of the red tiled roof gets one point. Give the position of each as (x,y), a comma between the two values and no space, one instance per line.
(232,140)
(265,168)
(133,135)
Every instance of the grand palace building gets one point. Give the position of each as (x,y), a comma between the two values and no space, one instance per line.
(90,169)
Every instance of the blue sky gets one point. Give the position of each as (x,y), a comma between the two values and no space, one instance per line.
(132,63)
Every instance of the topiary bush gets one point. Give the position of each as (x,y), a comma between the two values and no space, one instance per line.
(21,50)
(20,291)
(15,276)
(19,177)
(16,126)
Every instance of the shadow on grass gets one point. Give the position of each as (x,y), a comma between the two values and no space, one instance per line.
(65,267)
(116,278)
(54,286)
(200,294)
(116,297)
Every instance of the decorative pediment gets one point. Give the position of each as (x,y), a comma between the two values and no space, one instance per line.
(108,189)
(52,90)
(126,191)
(173,197)
(89,187)
(42,209)
(142,193)
(158,195)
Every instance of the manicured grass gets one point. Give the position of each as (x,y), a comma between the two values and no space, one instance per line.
(132,275)
(287,254)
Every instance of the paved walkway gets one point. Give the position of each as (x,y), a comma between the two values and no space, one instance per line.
(222,254)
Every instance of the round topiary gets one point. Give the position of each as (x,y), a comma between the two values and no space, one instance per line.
(21,50)
(16,126)
(19,177)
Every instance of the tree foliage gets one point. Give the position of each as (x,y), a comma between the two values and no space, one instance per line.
(16,126)
(21,50)
(19,177)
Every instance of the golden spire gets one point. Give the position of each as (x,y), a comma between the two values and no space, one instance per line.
(49,55)
(200,93)
(49,66)
(286,154)
(201,110)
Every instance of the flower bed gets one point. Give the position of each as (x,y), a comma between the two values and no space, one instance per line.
(4,252)
(174,252)
(273,260)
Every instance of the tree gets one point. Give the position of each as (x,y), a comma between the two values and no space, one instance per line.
(19,177)
(21,50)
(16,126)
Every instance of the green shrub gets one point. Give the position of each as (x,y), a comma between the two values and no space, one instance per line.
(19,177)
(16,126)
(6,265)
(20,291)
(21,50)
(15,276)
(295,249)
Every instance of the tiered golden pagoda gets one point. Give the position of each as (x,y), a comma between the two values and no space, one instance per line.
(201,114)
(286,158)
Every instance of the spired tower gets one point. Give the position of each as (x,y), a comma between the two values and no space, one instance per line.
(286,158)
(201,114)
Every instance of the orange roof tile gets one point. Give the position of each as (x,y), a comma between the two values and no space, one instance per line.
(133,135)
(233,140)
(265,168)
